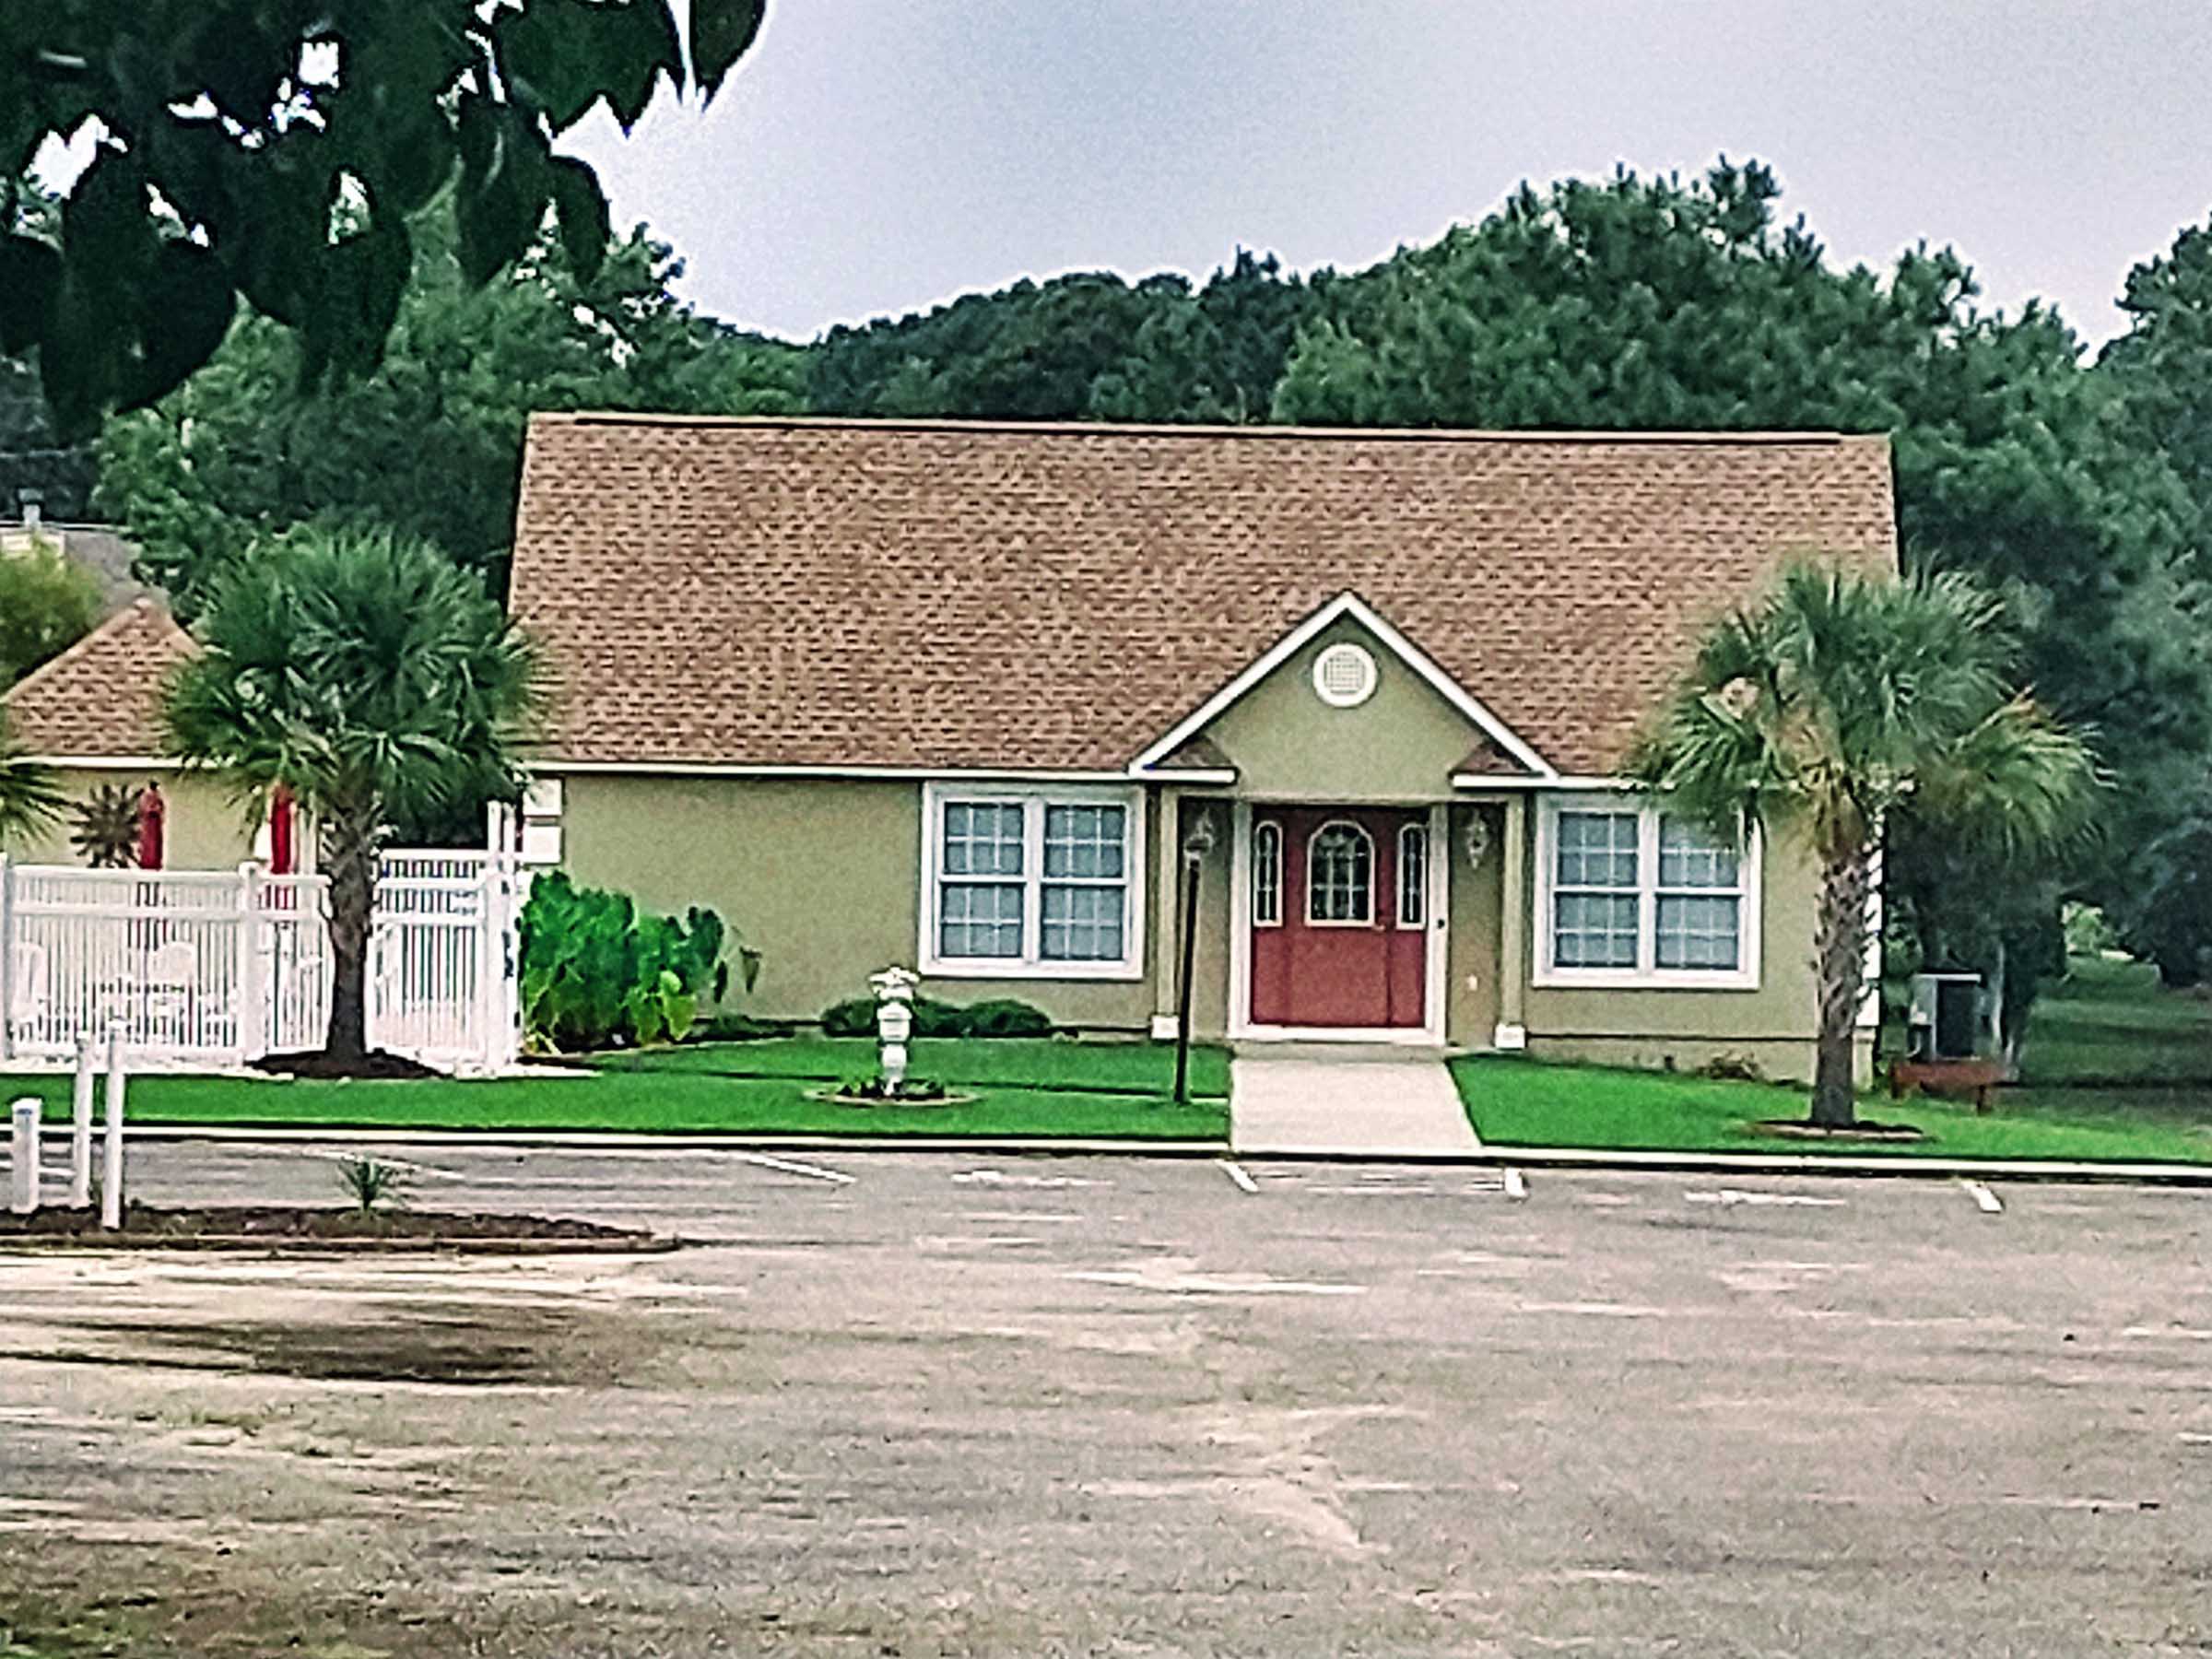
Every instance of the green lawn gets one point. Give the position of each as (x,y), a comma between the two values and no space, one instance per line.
(1117,1090)
(2109,1022)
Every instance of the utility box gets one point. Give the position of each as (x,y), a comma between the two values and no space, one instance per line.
(1948,1017)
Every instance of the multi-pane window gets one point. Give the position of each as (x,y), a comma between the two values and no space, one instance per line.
(1032,881)
(1340,871)
(1413,875)
(1596,898)
(1700,894)
(1636,892)
(1267,875)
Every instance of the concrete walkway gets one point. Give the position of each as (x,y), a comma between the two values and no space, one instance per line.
(1369,1103)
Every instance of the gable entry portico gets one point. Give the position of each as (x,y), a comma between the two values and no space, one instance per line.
(1337,755)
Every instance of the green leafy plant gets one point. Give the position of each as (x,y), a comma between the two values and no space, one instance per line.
(29,798)
(370,1183)
(1007,1017)
(856,1018)
(47,603)
(104,827)
(918,1090)
(598,973)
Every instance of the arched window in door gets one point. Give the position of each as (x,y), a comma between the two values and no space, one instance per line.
(1340,876)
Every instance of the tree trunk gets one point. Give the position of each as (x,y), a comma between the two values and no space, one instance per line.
(352,903)
(1840,961)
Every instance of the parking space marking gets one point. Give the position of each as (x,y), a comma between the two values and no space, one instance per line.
(813,1171)
(1731,1196)
(1516,1185)
(1235,1171)
(1984,1200)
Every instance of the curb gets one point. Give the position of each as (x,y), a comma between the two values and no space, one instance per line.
(1586,1159)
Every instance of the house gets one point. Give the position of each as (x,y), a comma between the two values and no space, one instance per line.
(93,714)
(968,696)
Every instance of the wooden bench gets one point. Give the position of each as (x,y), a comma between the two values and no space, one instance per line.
(1977,1077)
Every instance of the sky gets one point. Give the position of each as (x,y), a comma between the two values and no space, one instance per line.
(873,157)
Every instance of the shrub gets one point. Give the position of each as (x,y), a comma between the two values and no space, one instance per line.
(369,1183)
(597,973)
(1007,1017)
(999,1017)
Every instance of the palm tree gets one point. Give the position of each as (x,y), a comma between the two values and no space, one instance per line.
(1838,699)
(367,675)
(29,798)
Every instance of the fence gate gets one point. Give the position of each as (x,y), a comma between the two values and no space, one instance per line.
(443,960)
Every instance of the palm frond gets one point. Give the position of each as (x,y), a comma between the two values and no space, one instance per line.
(30,796)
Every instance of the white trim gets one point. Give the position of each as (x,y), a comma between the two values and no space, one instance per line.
(1163,1028)
(1240,1023)
(108,762)
(1509,1037)
(1397,898)
(1374,876)
(1555,780)
(1646,975)
(687,769)
(1363,661)
(1345,605)
(936,793)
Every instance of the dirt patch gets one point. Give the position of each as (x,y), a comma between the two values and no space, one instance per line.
(147,1225)
(1798,1129)
(411,1349)
(376,1065)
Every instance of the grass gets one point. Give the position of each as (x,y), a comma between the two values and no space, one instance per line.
(1077,1089)
(2149,1050)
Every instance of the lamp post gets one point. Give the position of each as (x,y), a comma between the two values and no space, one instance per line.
(1197,841)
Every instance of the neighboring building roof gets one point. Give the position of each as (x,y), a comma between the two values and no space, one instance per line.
(102,697)
(100,549)
(951,595)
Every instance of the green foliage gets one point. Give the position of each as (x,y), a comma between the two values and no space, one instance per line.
(2089,932)
(1091,346)
(33,457)
(46,605)
(431,444)
(597,972)
(30,798)
(278,153)
(374,681)
(998,1017)
(2168,917)
(104,827)
(370,1184)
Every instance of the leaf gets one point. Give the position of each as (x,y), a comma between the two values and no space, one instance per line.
(504,184)
(356,295)
(190,306)
(30,273)
(582,207)
(635,42)
(545,53)
(722,31)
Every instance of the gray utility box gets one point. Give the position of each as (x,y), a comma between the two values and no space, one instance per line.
(1949,1015)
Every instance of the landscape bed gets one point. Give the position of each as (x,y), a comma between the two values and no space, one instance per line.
(272,1226)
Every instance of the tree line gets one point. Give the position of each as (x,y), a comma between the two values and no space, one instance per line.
(2078,487)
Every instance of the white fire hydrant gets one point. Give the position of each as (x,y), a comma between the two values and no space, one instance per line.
(894,989)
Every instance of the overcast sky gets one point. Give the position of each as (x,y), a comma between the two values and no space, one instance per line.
(876,156)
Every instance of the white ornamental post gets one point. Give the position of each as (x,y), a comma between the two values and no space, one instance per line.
(24,1166)
(894,989)
(81,1126)
(110,1163)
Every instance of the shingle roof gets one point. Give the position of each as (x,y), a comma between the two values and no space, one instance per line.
(927,594)
(102,697)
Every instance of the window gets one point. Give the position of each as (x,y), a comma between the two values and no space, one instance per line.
(1267,875)
(1634,895)
(1340,865)
(1023,884)
(1413,875)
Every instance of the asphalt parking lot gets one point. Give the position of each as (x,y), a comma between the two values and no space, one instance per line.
(923,1406)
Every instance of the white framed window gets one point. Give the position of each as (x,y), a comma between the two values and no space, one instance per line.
(1044,884)
(1268,874)
(1340,875)
(1413,875)
(1628,894)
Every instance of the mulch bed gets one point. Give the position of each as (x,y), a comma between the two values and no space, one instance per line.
(376,1065)
(276,1226)
(1865,1130)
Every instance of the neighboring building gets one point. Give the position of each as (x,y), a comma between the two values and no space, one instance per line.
(99,550)
(94,715)
(966,697)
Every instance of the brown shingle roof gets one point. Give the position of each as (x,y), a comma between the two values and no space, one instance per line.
(950,594)
(102,697)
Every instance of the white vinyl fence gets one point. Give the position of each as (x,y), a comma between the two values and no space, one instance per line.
(215,969)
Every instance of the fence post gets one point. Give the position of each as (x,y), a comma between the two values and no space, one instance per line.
(253,993)
(8,958)
(23,1165)
(81,1126)
(110,1163)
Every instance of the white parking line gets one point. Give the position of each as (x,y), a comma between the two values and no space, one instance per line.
(1516,1185)
(1730,1196)
(789,1168)
(1984,1200)
(1235,1171)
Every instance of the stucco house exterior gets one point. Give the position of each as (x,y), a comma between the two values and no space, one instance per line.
(968,696)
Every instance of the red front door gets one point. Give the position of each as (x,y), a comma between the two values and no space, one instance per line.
(1338,906)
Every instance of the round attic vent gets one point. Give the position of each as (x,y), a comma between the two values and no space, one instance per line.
(1344,676)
